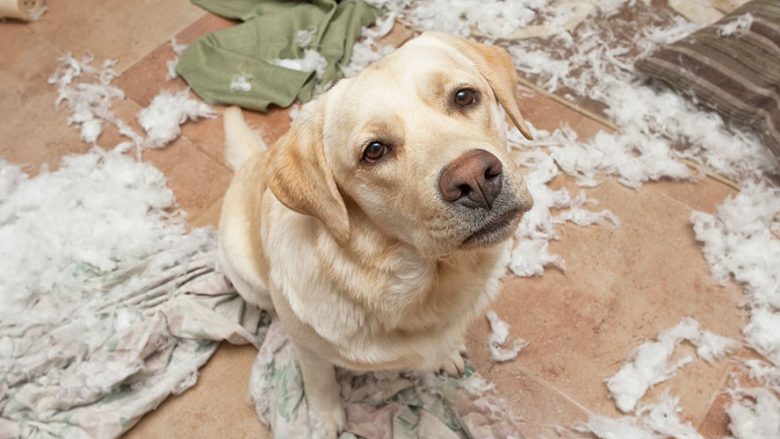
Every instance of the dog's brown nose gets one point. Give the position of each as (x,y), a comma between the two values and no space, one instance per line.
(472,180)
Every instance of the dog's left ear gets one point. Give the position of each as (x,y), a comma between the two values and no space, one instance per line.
(495,64)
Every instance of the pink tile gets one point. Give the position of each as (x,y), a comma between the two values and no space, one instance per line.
(621,287)
(122,29)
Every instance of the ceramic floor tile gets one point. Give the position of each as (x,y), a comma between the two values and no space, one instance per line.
(587,128)
(205,24)
(122,29)
(218,406)
(210,216)
(33,131)
(716,423)
(28,62)
(196,179)
(546,113)
(621,287)
(149,75)
(704,194)
(210,137)
(398,35)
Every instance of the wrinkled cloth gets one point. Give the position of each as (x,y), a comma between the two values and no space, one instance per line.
(270,32)
(143,331)
(139,335)
(380,405)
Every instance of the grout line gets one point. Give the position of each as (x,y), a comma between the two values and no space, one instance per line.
(539,380)
(162,43)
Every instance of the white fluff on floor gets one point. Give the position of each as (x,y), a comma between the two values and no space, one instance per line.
(651,121)
(755,414)
(163,118)
(551,207)
(649,364)
(741,240)
(499,336)
(653,421)
(170,65)
(63,228)
(89,95)
(366,51)
(738,26)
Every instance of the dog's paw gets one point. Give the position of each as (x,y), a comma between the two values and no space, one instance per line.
(332,421)
(454,365)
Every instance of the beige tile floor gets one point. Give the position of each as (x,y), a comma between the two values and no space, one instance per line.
(621,285)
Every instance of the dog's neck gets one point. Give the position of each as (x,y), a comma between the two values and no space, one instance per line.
(412,289)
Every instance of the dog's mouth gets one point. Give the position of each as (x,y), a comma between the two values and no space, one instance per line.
(496,230)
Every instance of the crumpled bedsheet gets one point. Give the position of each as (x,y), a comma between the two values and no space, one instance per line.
(379,405)
(94,368)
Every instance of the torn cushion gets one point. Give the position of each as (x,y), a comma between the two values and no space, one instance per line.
(731,66)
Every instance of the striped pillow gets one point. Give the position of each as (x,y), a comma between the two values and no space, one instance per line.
(732,67)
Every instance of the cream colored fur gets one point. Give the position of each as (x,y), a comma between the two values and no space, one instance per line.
(365,263)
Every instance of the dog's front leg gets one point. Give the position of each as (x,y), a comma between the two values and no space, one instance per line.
(322,391)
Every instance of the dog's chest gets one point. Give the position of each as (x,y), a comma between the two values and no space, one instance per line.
(418,296)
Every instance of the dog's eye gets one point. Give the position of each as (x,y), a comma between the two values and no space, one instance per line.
(374,151)
(465,97)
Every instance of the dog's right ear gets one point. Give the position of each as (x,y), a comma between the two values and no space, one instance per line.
(300,177)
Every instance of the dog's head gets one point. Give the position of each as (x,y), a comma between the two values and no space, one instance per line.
(417,143)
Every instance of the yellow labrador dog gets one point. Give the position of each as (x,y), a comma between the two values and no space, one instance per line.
(379,225)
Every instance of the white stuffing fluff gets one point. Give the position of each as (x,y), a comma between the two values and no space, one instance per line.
(649,362)
(664,418)
(89,95)
(741,241)
(538,226)
(650,121)
(304,38)
(495,19)
(764,372)
(653,421)
(366,51)
(499,336)
(88,92)
(755,414)
(648,366)
(162,119)
(178,49)
(611,7)
(240,82)
(763,332)
(736,27)
(312,61)
(63,228)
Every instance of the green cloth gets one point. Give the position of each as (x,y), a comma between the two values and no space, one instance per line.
(269,32)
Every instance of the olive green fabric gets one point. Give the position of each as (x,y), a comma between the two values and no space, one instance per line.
(268,32)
